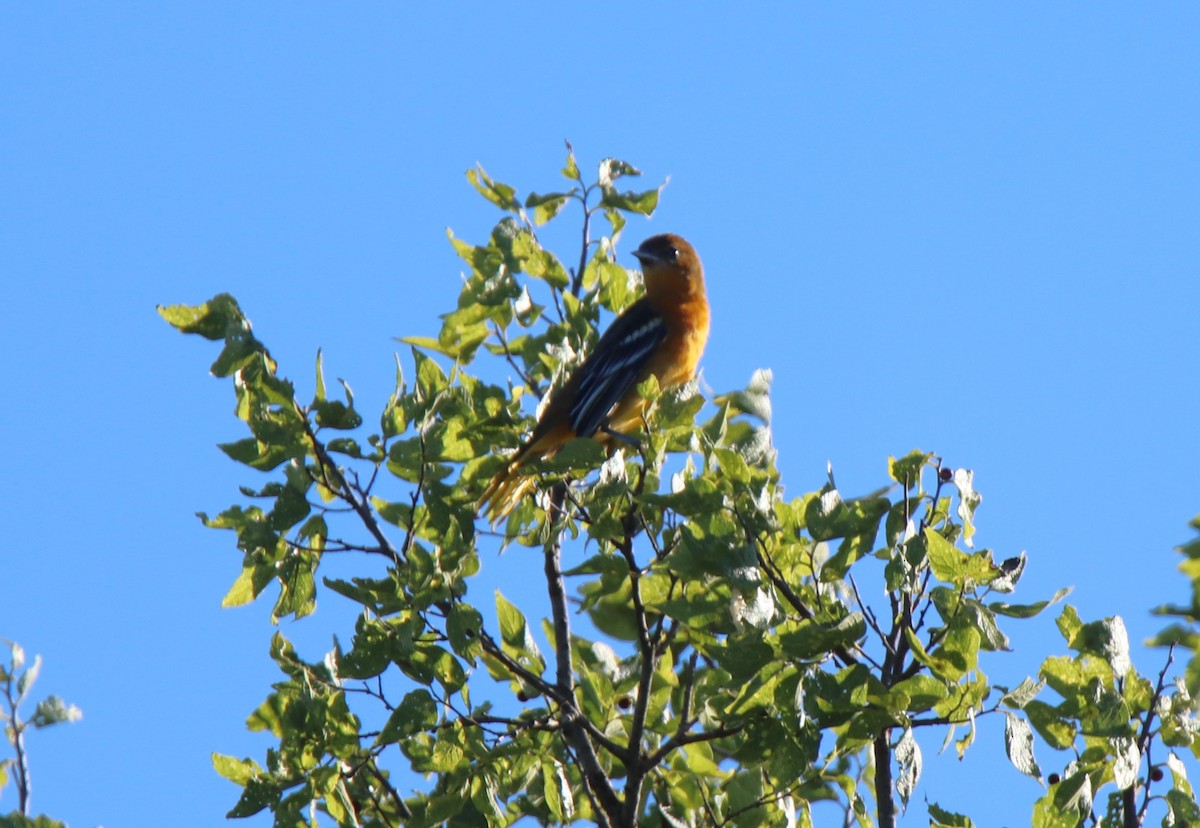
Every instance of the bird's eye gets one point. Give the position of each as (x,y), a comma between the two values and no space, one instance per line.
(674,253)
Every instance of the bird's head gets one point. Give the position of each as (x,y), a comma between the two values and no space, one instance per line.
(670,264)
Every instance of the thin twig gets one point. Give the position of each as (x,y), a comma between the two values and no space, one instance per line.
(17,739)
(512,360)
(1144,740)
(577,280)
(649,660)
(341,488)
(869,614)
(680,740)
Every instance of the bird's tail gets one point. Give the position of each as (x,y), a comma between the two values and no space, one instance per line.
(504,492)
(512,482)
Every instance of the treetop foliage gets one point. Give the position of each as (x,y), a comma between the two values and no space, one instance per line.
(731,666)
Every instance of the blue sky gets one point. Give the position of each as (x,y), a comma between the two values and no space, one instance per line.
(968,229)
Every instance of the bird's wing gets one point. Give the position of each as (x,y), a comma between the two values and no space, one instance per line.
(611,370)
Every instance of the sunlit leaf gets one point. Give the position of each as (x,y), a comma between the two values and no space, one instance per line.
(1018,742)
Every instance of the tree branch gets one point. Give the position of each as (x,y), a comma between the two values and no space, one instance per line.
(577,280)
(1144,743)
(885,807)
(341,487)
(634,766)
(574,729)
(17,739)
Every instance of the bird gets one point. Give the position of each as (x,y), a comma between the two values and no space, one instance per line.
(662,334)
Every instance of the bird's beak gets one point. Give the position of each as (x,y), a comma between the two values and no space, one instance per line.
(644,257)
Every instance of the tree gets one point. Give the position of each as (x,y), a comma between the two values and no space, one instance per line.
(16,685)
(724,666)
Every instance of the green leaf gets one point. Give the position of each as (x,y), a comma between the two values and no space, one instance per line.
(258,793)
(755,398)
(1073,793)
(616,289)
(394,419)
(319,394)
(611,169)
(418,711)
(1127,760)
(828,517)
(950,668)
(53,710)
(430,377)
(948,563)
(297,594)
(615,220)
(530,257)
(337,414)
(743,659)
(713,548)
(907,754)
(1107,639)
(1027,610)
(1183,809)
(211,320)
(1022,694)
(502,195)
(953,566)
(907,470)
(570,169)
(1018,742)
(547,206)
(923,692)
(27,678)
(556,788)
(239,771)
(1070,677)
(581,454)
(1055,730)
(643,203)
(259,455)
(373,646)
(251,581)
(849,551)
(968,501)
(941,818)
(515,636)
(463,626)
(1108,716)
(221,318)
(810,638)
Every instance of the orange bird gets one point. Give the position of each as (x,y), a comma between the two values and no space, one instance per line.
(661,334)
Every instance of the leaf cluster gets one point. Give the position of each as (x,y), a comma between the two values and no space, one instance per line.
(726,667)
